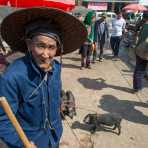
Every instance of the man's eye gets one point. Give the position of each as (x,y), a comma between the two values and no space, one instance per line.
(40,45)
(52,47)
(43,46)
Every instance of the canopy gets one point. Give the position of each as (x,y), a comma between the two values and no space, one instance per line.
(135,7)
(66,5)
(61,4)
(3,2)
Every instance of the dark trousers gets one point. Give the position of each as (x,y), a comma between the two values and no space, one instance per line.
(86,51)
(101,43)
(115,42)
(101,50)
(139,72)
(94,54)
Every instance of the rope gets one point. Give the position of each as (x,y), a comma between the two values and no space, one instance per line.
(73,132)
(81,108)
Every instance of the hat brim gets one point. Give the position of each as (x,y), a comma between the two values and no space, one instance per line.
(73,32)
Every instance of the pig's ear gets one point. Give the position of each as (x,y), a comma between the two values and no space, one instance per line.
(71,115)
(86,118)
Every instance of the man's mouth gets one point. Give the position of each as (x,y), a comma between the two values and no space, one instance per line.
(45,64)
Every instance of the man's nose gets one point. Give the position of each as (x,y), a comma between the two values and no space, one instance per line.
(46,53)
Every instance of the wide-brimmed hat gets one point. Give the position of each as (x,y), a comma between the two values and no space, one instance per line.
(73,32)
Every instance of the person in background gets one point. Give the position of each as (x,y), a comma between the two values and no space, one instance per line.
(2,48)
(86,48)
(137,29)
(101,33)
(118,28)
(79,16)
(3,62)
(32,83)
(141,55)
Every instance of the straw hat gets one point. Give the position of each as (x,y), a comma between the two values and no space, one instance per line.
(73,32)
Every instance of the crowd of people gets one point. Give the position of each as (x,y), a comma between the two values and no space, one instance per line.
(98,34)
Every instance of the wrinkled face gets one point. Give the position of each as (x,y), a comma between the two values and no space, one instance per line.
(43,49)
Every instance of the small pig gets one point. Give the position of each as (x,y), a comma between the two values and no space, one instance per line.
(107,119)
(67,104)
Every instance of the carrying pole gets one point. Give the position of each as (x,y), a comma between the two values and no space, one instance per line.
(15,123)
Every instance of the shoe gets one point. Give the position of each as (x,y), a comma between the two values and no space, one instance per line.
(89,67)
(115,58)
(136,91)
(97,59)
(81,67)
(93,62)
(101,60)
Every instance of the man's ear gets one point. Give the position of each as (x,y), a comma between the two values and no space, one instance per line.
(28,43)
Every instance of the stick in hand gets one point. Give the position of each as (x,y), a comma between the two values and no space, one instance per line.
(14,122)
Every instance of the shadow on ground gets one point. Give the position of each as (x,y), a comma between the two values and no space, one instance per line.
(99,84)
(70,66)
(72,58)
(127,71)
(127,109)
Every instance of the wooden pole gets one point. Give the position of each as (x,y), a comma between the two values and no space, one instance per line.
(12,118)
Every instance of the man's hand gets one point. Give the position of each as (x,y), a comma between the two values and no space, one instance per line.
(94,46)
(33,145)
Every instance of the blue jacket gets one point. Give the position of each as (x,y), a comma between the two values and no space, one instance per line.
(34,97)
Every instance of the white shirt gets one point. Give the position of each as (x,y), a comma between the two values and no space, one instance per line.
(117,26)
(102,27)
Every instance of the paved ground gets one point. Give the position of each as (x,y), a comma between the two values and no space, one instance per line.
(104,88)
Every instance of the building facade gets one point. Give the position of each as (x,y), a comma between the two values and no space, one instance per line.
(144,2)
(107,5)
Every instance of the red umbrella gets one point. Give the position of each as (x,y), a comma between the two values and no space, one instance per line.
(62,4)
(135,7)
(3,2)
(26,3)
